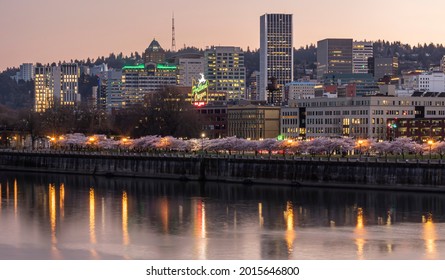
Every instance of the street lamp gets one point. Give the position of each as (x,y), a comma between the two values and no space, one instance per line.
(203,135)
(430,143)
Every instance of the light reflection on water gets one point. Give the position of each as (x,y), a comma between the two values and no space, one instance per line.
(81,217)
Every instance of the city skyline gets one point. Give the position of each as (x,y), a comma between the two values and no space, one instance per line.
(50,31)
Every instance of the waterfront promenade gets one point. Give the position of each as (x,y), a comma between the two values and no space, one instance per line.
(363,172)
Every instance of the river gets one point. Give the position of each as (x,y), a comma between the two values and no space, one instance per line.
(56,216)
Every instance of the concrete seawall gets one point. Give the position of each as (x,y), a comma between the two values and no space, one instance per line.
(373,174)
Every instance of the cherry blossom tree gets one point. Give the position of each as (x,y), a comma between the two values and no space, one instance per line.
(439,148)
(268,144)
(329,146)
(381,148)
(403,146)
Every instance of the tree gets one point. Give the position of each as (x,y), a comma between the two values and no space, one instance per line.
(403,146)
(167,113)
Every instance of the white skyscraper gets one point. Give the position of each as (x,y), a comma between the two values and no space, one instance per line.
(276,51)
(361,51)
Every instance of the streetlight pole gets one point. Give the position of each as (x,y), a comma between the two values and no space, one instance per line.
(430,143)
(202,142)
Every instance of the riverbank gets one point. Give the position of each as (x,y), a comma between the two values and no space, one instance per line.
(366,173)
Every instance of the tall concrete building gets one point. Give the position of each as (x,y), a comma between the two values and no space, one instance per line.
(154,53)
(361,51)
(225,71)
(56,85)
(26,73)
(43,89)
(189,69)
(139,80)
(276,51)
(380,67)
(334,56)
(68,93)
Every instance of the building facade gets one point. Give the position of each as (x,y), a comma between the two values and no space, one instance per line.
(189,69)
(419,130)
(43,89)
(365,117)
(364,83)
(225,71)
(276,51)
(380,67)
(334,56)
(431,81)
(361,51)
(140,80)
(154,53)
(213,120)
(253,122)
(300,90)
(56,85)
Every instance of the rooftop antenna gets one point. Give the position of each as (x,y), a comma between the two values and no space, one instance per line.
(173,33)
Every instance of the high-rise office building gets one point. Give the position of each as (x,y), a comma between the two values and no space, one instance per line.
(334,56)
(276,52)
(26,73)
(139,80)
(380,67)
(225,71)
(56,85)
(68,93)
(189,69)
(361,51)
(43,89)
(154,53)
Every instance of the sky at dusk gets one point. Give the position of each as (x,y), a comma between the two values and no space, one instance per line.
(55,30)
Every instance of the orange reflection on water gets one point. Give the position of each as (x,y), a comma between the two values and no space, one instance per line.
(388,219)
(200,219)
(62,201)
(125,235)
(290,232)
(164,214)
(92,217)
(52,212)
(15,196)
(7,193)
(200,229)
(430,236)
(360,233)
(260,214)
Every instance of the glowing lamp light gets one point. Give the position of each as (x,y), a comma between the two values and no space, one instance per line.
(91,139)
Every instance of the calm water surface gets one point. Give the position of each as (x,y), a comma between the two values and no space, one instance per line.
(80,217)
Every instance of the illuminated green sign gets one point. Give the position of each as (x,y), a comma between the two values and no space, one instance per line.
(165,67)
(200,91)
(136,67)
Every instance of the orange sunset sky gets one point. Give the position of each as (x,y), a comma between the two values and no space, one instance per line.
(51,30)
